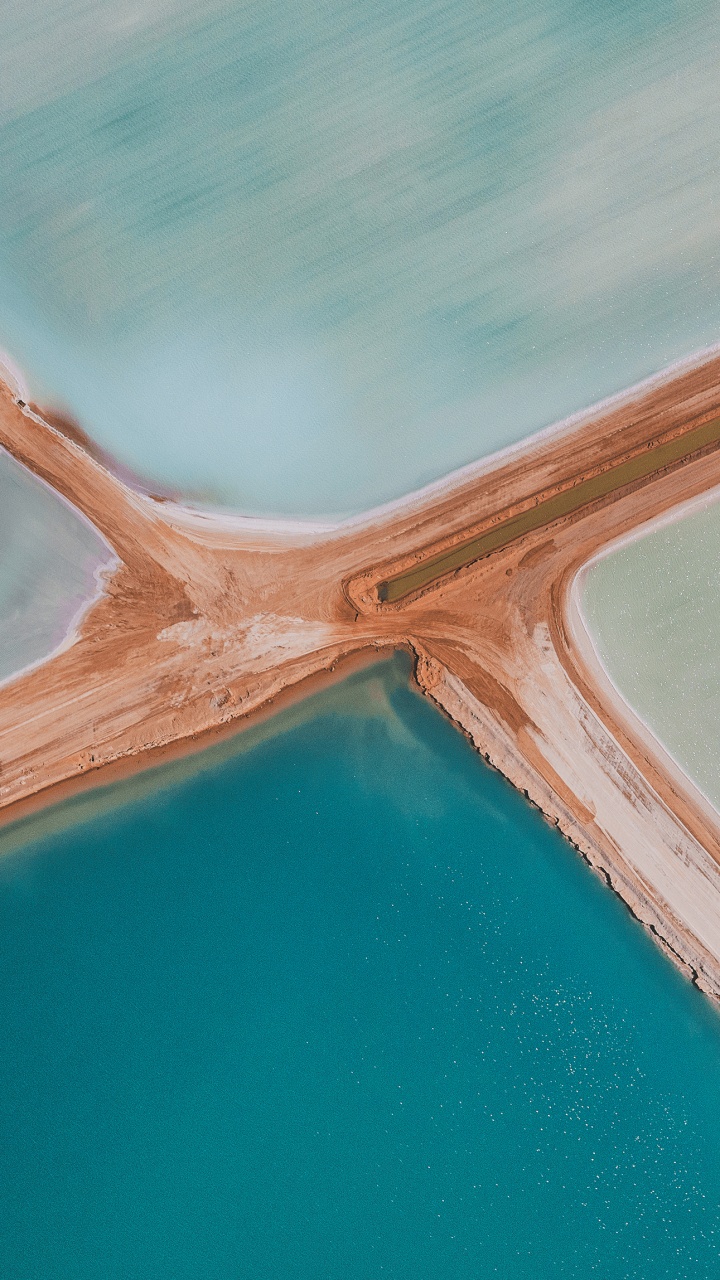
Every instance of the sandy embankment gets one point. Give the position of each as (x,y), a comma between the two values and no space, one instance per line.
(209,622)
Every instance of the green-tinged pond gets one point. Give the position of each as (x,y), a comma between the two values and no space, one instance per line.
(653,610)
(334,1003)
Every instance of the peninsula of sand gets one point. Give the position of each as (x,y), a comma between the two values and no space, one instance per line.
(208,622)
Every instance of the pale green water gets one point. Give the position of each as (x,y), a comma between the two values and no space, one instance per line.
(337,1004)
(305,260)
(49,558)
(653,609)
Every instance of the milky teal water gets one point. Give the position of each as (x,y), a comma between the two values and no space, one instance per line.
(653,610)
(303,260)
(338,1003)
(50,558)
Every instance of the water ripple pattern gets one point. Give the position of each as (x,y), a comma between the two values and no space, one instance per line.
(304,263)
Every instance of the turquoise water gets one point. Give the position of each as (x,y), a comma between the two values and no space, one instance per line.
(653,609)
(49,559)
(336,1002)
(303,261)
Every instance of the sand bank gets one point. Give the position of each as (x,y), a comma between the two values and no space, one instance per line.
(208,623)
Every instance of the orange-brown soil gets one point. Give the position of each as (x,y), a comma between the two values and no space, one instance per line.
(207,623)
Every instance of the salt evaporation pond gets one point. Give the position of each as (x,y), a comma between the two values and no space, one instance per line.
(653,609)
(304,260)
(336,1002)
(50,558)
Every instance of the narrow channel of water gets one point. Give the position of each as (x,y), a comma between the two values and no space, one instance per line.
(304,262)
(336,1002)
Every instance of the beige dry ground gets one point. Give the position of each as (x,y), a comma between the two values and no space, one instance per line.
(210,622)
